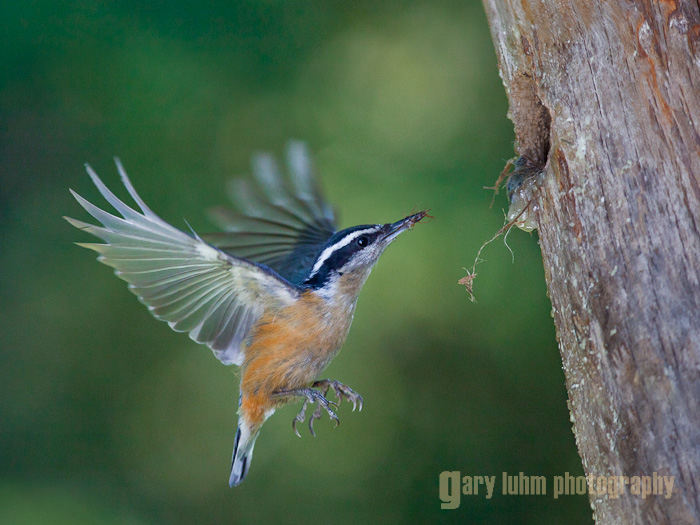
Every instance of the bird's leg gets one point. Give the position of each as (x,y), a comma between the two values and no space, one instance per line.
(340,391)
(310,396)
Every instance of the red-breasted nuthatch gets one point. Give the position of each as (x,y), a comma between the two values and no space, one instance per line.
(274,294)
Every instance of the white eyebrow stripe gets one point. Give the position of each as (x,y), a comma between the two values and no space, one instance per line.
(325,254)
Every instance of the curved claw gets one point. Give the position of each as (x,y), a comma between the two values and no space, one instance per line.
(356,401)
(300,417)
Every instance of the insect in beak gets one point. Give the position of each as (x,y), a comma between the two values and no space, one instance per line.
(394,229)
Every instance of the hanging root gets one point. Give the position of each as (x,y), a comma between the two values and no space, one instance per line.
(468,280)
(523,176)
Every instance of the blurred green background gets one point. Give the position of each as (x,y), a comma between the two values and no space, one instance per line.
(106,416)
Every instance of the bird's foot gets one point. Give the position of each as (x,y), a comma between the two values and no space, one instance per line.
(310,396)
(341,392)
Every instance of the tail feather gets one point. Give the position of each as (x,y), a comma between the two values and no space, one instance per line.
(242,454)
(246,434)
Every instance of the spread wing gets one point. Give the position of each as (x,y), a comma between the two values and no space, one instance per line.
(182,280)
(281,222)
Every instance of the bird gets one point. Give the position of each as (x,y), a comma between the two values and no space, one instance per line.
(273,293)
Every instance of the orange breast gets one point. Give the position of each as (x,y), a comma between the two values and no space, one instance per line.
(291,347)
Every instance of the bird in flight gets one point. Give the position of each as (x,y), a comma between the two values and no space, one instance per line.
(274,293)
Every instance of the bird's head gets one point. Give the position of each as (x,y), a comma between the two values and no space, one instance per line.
(350,254)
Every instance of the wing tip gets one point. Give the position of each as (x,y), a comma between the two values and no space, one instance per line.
(81,225)
(90,245)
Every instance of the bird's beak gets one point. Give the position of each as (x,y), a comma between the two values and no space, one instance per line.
(392,230)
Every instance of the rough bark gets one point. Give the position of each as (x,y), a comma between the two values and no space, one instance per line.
(604,96)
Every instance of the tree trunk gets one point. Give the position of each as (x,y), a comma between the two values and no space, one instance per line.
(604,97)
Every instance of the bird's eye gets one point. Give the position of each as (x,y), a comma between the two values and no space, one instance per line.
(362,241)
